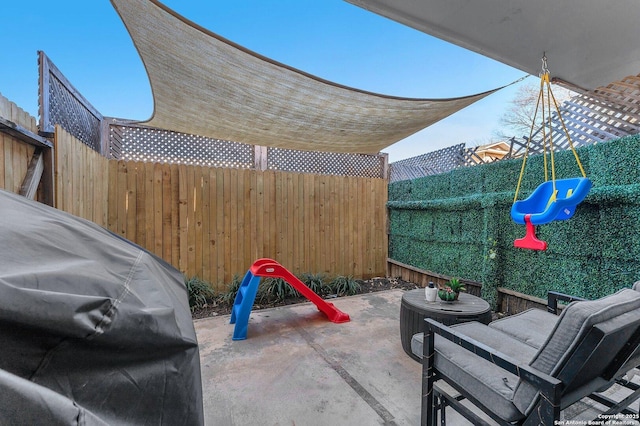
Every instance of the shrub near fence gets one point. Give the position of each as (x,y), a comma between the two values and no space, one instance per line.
(459,224)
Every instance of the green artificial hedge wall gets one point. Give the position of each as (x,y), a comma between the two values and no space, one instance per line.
(459,224)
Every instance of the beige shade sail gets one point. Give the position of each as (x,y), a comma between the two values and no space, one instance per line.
(205,85)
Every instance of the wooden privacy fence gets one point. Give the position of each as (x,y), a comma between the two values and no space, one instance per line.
(81,178)
(15,152)
(214,222)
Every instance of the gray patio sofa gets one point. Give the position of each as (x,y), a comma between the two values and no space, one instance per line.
(526,368)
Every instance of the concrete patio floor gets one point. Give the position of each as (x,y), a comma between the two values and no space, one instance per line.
(298,368)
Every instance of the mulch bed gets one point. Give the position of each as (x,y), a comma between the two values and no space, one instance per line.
(366,286)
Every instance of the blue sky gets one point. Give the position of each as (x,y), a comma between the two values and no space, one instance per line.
(331,39)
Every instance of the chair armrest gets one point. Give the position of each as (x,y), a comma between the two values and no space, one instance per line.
(554,296)
(548,385)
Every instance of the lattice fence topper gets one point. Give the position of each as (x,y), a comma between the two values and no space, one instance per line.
(139,143)
(61,103)
(340,164)
(431,163)
(135,142)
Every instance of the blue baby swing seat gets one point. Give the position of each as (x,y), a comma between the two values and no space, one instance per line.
(552,200)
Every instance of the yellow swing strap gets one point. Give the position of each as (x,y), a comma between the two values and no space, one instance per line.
(547,84)
(564,127)
(544,80)
(526,150)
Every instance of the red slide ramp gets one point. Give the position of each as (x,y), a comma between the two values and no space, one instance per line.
(248,288)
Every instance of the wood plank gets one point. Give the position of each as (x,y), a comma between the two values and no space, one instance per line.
(287,232)
(315,214)
(268,247)
(362,247)
(231,219)
(149,207)
(47,181)
(384,230)
(2,156)
(5,107)
(206,224)
(416,275)
(90,189)
(157,210)
(333,224)
(121,192)
(141,195)
(9,184)
(341,212)
(191,228)
(270,233)
(278,204)
(248,211)
(175,216)
(65,169)
(131,201)
(77,178)
(369,241)
(354,244)
(167,213)
(299,219)
(112,199)
(213,238)
(373,207)
(213,219)
(236,232)
(319,244)
(323,243)
(307,186)
(257,218)
(31,181)
(197,221)
(265,220)
(353,225)
(23,134)
(221,248)
(21,158)
(101,200)
(183,200)
(228,253)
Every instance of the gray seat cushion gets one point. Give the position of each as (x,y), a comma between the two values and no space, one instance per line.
(489,384)
(575,322)
(533,326)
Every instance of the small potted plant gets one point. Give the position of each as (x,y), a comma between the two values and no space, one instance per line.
(451,290)
(447,294)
